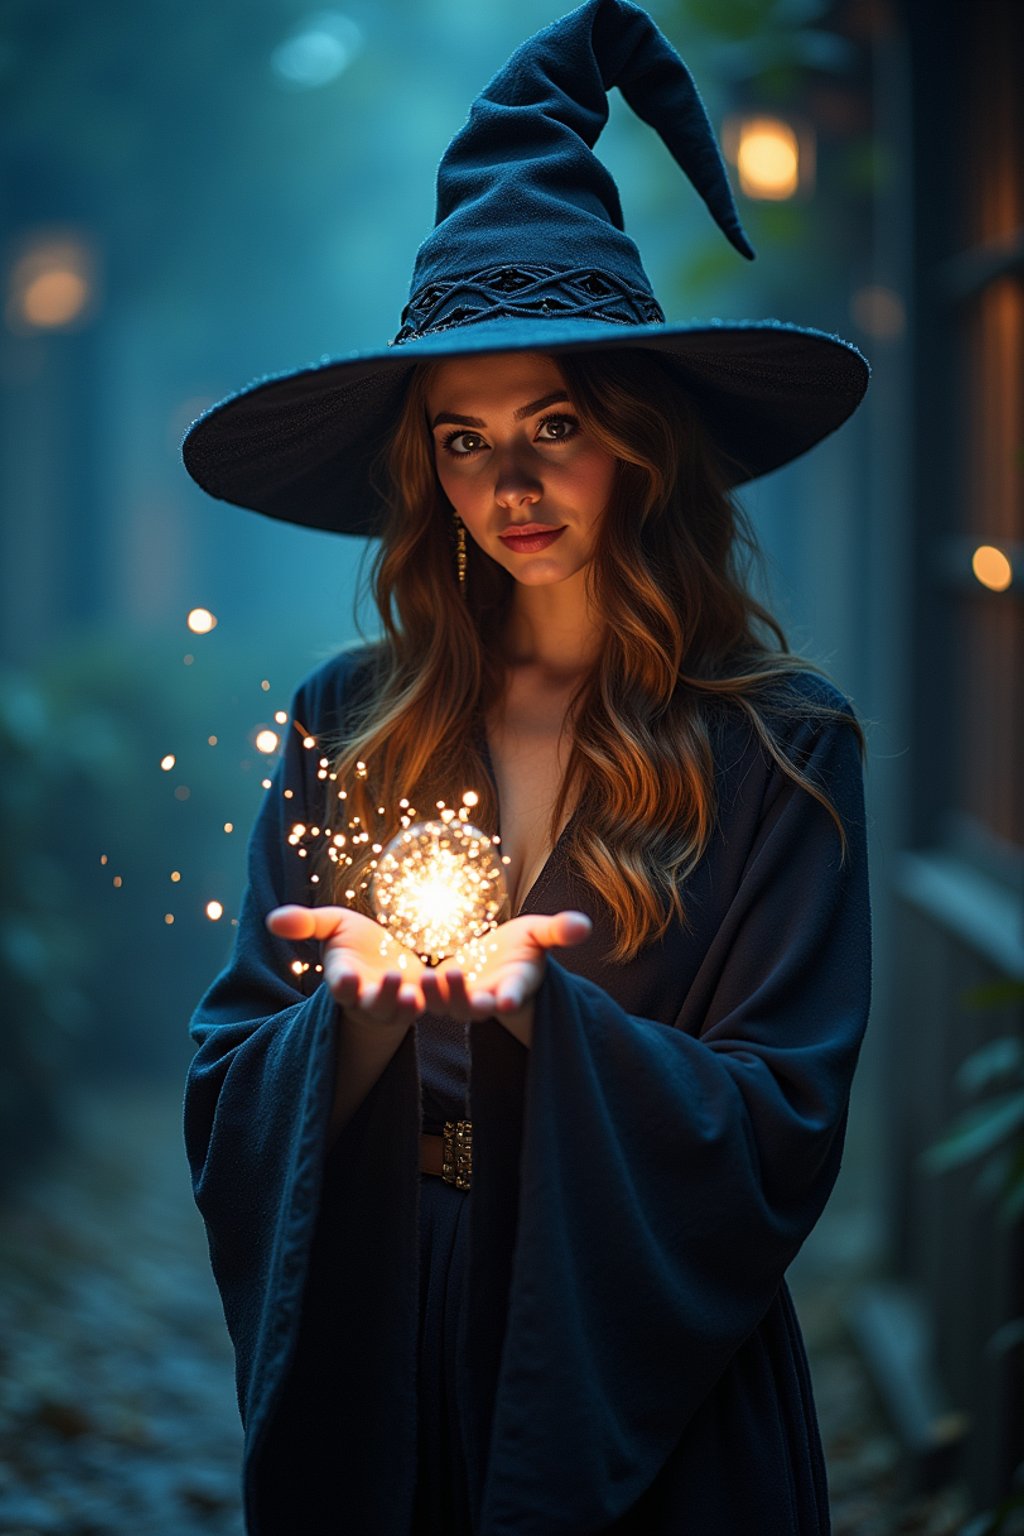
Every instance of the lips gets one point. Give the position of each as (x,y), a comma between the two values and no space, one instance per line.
(523,541)
(521,530)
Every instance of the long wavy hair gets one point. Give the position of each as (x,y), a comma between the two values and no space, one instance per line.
(685,637)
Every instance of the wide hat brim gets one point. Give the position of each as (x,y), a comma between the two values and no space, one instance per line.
(301,446)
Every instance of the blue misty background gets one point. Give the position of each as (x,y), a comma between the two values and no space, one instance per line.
(247,185)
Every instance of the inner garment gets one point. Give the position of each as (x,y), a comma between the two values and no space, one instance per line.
(442,1503)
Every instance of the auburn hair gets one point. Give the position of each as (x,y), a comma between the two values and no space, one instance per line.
(671,573)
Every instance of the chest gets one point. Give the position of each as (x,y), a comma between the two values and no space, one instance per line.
(529,747)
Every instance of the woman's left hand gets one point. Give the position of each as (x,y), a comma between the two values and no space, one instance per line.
(512,972)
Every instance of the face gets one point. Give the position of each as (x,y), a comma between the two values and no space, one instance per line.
(512,456)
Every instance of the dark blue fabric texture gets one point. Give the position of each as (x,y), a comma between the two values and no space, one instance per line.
(627,1359)
(524,161)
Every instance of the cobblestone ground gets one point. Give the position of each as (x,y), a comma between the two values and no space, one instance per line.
(117,1409)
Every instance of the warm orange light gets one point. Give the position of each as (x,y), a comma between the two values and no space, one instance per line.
(214,911)
(51,286)
(267,741)
(229,826)
(200,621)
(992,568)
(168,762)
(175,875)
(774,158)
(280,717)
(168,917)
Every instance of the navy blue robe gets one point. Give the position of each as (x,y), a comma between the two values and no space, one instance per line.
(626,1355)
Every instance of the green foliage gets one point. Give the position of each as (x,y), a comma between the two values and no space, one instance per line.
(94,978)
(991,1131)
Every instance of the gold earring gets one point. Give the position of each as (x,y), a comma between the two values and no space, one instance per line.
(460,554)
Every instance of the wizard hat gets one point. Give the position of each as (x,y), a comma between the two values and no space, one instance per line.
(528,253)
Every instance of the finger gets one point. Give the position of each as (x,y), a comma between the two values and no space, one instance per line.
(294,922)
(563,930)
(341,979)
(435,990)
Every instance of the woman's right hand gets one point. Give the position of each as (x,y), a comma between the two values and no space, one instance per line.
(360,961)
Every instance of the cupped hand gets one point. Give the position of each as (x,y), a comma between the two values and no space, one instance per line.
(360,961)
(516,959)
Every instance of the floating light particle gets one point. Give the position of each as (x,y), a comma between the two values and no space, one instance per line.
(188,660)
(167,762)
(265,685)
(103,858)
(280,717)
(211,741)
(289,794)
(404,804)
(265,783)
(214,911)
(470,797)
(308,742)
(182,792)
(297,967)
(168,918)
(118,882)
(175,875)
(200,621)
(229,826)
(267,741)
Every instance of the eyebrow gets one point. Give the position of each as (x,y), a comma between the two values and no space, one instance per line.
(445,417)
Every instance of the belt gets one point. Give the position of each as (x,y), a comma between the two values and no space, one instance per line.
(449,1156)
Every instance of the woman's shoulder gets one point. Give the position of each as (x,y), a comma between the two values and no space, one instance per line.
(330,690)
(804,713)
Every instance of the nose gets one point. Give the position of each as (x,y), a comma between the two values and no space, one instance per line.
(514,485)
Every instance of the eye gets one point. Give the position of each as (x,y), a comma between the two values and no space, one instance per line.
(557,429)
(461,444)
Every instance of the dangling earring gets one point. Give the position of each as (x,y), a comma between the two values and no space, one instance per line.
(460,554)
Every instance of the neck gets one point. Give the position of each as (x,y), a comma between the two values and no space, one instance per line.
(553,630)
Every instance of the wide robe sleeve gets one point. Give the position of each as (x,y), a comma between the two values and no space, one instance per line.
(257,1107)
(670,1170)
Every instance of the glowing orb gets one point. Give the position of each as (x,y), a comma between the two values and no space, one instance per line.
(200,621)
(267,741)
(439,888)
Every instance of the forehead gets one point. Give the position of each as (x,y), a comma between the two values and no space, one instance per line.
(497,381)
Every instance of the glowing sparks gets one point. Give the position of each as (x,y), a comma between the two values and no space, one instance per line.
(211,741)
(280,717)
(168,918)
(214,911)
(200,621)
(229,826)
(168,761)
(175,875)
(439,889)
(267,741)
(265,685)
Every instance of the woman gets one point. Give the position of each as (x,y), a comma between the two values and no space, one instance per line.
(582,1326)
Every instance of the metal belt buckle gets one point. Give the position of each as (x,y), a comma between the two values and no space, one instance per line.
(457,1153)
